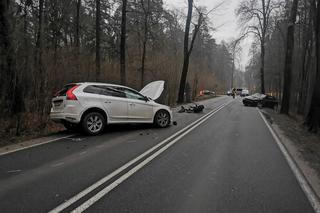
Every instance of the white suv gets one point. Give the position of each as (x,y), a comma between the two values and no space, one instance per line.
(94,105)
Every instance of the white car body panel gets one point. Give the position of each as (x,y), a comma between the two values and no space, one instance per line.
(153,90)
(117,109)
(139,110)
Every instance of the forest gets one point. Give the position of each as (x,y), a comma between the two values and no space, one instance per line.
(45,44)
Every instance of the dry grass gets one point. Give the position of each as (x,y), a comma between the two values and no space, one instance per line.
(30,126)
(307,143)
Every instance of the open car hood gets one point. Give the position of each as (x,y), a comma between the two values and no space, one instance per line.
(153,90)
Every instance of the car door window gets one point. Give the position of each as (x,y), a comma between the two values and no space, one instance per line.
(113,91)
(133,95)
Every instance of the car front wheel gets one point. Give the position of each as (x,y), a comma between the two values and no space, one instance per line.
(162,119)
(93,123)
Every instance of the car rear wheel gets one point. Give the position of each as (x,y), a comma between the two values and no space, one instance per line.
(162,119)
(93,123)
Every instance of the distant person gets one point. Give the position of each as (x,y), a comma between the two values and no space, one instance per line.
(234,92)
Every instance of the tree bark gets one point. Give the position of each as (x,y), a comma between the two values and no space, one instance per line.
(38,61)
(262,55)
(145,40)
(98,30)
(78,26)
(285,106)
(123,43)
(77,39)
(313,118)
(185,54)
(7,71)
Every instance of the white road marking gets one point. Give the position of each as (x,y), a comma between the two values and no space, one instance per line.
(57,164)
(14,171)
(82,153)
(113,185)
(304,184)
(34,145)
(83,193)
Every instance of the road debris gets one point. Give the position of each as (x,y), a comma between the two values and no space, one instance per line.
(192,109)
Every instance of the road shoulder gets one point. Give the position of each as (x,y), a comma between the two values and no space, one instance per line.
(33,142)
(302,146)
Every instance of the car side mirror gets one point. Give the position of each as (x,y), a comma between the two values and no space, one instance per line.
(146,98)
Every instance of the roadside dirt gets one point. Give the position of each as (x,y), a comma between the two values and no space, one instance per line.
(302,145)
(29,129)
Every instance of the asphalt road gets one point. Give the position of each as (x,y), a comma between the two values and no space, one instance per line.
(227,161)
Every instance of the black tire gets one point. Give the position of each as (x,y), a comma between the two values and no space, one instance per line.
(71,127)
(93,123)
(162,119)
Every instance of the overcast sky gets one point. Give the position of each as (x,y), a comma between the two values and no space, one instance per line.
(223,19)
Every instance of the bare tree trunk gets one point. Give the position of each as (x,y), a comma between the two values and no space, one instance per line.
(145,40)
(285,106)
(185,54)
(187,57)
(232,72)
(123,43)
(262,56)
(313,118)
(77,40)
(38,61)
(78,27)
(7,71)
(304,72)
(98,30)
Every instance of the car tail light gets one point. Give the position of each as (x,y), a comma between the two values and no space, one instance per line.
(70,95)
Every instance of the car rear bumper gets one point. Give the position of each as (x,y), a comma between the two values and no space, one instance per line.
(61,117)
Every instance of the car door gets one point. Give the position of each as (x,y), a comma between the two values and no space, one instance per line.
(140,109)
(115,103)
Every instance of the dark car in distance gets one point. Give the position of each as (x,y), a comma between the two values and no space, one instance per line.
(258,99)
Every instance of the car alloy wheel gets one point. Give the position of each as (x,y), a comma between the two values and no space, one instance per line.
(162,118)
(93,123)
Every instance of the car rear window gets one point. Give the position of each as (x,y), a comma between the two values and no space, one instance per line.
(64,90)
(94,89)
(105,90)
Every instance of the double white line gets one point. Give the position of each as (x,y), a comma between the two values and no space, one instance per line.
(165,143)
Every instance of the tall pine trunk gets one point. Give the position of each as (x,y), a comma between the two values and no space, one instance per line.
(39,61)
(313,118)
(285,106)
(145,39)
(77,38)
(185,54)
(7,71)
(123,43)
(98,30)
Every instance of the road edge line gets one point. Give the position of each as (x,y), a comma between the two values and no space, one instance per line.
(36,144)
(101,181)
(302,180)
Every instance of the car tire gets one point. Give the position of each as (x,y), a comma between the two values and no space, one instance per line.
(93,123)
(162,119)
(71,127)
